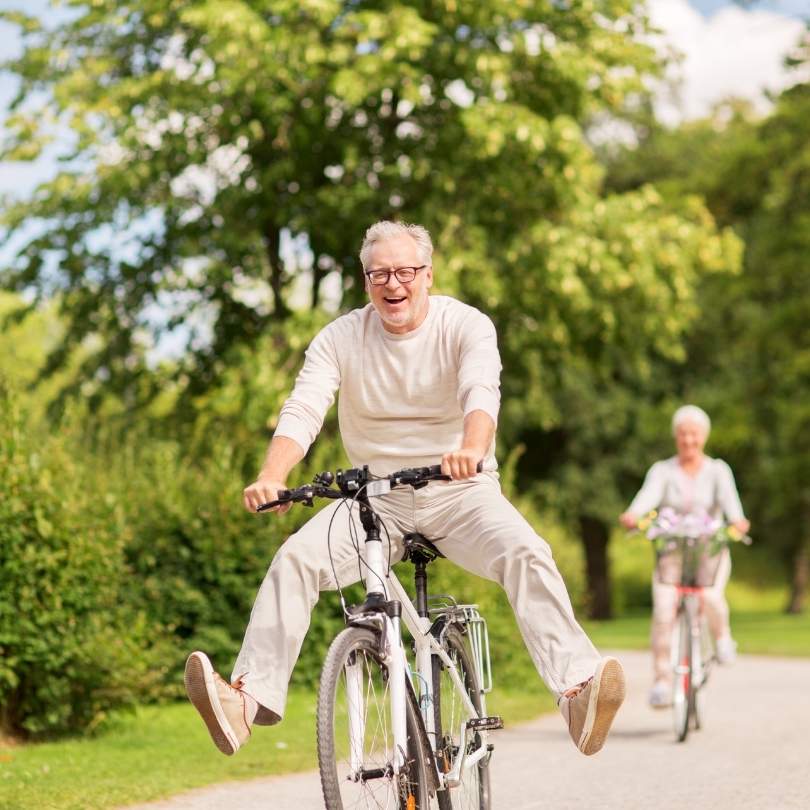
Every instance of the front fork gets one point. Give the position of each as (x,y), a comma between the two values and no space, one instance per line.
(392,654)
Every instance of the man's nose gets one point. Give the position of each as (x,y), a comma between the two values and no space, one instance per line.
(393,282)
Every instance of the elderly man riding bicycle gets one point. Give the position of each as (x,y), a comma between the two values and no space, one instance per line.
(418,377)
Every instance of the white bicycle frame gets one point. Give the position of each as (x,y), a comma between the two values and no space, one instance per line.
(379,581)
(699,640)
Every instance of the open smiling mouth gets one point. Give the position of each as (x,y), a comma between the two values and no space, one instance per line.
(394,300)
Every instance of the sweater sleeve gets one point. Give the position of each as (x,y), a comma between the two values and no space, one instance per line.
(651,494)
(728,499)
(479,373)
(301,417)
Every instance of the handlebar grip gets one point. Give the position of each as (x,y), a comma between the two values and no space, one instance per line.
(436,469)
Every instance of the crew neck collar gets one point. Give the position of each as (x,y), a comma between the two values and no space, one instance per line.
(413,333)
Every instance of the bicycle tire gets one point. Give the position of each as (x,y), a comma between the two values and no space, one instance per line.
(409,791)
(701,658)
(474,792)
(682,692)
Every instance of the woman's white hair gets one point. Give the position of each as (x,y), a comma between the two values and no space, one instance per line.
(385,229)
(691,413)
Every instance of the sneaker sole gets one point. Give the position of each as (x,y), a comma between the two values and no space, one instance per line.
(202,692)
(607,694)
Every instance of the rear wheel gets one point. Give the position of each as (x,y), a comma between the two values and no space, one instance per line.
(474,792)
(682,691)
(355,740)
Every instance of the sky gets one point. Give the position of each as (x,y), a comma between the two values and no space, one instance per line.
(728,50)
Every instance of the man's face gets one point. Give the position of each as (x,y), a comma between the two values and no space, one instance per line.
(402,307)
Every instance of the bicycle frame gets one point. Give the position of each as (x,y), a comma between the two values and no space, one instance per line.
(386,606)
(382,583)
(690,599)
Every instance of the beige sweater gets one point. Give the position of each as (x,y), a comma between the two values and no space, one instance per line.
(402,398)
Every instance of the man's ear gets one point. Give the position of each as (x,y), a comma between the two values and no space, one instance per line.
(429,274)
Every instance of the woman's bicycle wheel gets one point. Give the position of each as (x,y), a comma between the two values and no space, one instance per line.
(473,793)
(355,740)
(682,687)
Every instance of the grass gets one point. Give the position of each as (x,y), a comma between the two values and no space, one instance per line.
(162,750)
(758,632)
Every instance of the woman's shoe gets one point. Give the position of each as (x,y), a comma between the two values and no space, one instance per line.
(661,695)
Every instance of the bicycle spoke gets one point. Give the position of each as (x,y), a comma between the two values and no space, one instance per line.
(355,742)
(473,791)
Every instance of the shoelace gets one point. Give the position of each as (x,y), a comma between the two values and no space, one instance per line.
(237,684)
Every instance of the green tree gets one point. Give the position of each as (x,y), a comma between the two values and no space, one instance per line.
(204,132)
(598,303)
(749,350)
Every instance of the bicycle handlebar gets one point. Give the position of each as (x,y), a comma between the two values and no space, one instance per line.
(352,481)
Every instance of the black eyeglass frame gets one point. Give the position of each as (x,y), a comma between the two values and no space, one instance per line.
(395,271)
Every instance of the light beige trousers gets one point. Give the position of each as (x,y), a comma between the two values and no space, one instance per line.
(473,525)
(665,605)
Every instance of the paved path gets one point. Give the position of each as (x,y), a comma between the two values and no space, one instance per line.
(753,753)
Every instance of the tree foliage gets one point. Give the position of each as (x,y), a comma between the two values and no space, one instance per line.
(205,132)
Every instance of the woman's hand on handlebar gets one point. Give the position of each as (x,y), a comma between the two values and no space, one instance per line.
(742,526)
(628,520)
(461,464)
(262,491)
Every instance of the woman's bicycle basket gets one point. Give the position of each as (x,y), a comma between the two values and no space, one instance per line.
(687,561)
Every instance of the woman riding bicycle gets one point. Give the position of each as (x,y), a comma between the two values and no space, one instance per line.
(691,483)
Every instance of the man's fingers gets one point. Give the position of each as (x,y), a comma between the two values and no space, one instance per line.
(254,496)
(446,465)
(459,465)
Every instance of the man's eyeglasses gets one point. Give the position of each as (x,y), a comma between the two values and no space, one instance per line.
(402,274)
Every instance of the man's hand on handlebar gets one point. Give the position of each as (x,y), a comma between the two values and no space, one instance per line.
(262,491)
(461,464)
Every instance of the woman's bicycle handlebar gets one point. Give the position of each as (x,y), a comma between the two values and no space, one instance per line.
(349,483)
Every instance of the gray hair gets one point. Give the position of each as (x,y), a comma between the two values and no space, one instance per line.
(691,413)
(385,229)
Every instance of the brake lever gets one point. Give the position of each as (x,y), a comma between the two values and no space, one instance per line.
(284,496)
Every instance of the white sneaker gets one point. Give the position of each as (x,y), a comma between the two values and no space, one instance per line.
(661,695)
(726,650)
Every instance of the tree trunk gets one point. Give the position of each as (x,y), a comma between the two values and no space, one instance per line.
(272,237)
(595,538)
(317,277)
(800,579)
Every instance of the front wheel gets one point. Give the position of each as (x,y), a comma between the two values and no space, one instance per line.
(355,740)
(449,711)
(682,687)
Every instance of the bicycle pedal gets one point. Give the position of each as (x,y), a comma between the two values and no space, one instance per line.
(485,723)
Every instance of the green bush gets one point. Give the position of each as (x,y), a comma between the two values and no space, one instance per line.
(197,556)
(70,647)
